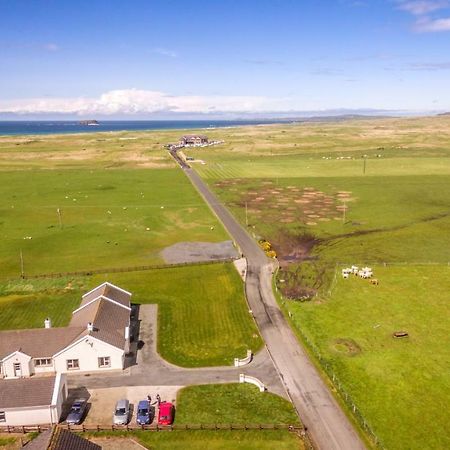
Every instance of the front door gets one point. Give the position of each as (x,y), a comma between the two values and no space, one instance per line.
(17,370)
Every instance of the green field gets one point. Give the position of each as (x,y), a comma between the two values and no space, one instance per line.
(198,324)
(109,218)
(233,403)
(212,440)
(290,183)
(397,383)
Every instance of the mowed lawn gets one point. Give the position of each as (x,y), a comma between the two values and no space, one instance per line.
(109,218)
(203,317)
(233,403)
(211,440)
(401,386)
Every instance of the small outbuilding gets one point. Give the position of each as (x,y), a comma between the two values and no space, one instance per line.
(32,401)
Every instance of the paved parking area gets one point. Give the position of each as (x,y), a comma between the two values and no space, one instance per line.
(102,401)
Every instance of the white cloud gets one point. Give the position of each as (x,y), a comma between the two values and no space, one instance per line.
(165,52)
(423,7)
(432,26)
(134,101)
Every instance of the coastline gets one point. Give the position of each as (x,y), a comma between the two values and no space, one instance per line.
(48,128)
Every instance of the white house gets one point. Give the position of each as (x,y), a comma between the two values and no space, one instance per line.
(96,339)
(32,401)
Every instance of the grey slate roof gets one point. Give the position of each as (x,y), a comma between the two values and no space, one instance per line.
(107,290)
(25,392)
(38,342)
(109,321)
(60,439)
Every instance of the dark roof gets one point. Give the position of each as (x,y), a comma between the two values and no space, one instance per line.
(109,321)
(38,342)
(107,290)
(24,392)
(60,439)
(194,136)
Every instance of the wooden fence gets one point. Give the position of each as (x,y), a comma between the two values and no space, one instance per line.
(154,427)
(124,269)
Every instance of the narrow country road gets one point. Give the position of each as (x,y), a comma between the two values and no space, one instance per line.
(327,424)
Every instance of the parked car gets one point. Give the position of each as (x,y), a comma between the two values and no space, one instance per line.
(122,412)
(77,411)
(143,412)
(166,413)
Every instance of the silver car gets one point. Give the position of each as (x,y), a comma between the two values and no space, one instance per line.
(122,412)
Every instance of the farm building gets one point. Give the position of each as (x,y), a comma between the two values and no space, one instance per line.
(96,339)
(32,401)
(193,139)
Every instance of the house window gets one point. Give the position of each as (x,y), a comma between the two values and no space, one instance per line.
(2,416)
(104,361)
(73,364)
(42,362)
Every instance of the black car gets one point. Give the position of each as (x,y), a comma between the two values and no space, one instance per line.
(77,411)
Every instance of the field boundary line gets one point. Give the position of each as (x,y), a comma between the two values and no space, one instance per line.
(155,427)
(124,269)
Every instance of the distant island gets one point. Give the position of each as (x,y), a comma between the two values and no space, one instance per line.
(89,122)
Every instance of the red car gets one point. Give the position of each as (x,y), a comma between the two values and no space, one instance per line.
(166,413)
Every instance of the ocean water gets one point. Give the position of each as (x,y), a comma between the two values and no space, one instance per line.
(60,127)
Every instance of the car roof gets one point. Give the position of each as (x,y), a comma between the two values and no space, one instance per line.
(165,407)
(143,404)
(122,403)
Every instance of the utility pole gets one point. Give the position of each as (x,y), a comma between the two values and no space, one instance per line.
(21,265)
(59,218)
(246,214)
(364,165)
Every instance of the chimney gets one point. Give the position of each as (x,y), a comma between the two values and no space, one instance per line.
(47,323)
(90,326)
(127,333)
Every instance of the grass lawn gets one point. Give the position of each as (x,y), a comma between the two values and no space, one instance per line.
(212,440)
(397,383)
(9,442)
(110,218)
(198,324)
(232,403)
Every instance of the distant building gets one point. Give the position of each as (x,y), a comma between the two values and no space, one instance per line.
(193,139)
(32,401)
(96,339)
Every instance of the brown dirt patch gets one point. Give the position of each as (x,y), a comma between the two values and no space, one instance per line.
(348,347)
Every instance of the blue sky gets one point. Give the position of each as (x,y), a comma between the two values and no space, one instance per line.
(232,57)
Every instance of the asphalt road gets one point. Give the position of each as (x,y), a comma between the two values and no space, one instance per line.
(328,426)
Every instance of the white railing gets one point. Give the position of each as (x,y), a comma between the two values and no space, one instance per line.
(244,361)
(252,380)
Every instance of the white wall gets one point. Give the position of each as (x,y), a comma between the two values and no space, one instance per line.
(60,392)
(87,351)
(40,415)
(17,357)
